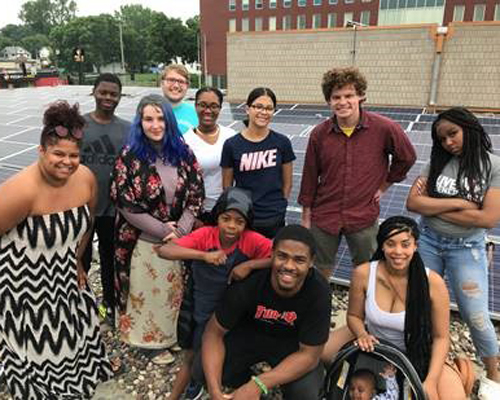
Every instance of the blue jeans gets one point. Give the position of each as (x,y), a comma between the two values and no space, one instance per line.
(465,264)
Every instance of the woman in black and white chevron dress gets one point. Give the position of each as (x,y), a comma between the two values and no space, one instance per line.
(50,342)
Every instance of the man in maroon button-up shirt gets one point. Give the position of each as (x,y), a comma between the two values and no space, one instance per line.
(351,160)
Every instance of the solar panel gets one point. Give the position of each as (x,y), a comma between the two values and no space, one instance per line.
(21,117)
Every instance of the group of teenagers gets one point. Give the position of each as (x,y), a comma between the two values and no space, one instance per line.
(195,253)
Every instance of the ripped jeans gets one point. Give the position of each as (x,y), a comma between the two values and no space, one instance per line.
(465,264)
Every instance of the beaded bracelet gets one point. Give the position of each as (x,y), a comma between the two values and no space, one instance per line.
(262,386)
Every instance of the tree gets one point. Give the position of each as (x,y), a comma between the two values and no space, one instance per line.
(190,43)
(5,41)
(41,16)
(136,20)
(97,35)
(16,33)
(34,43)
(167,38)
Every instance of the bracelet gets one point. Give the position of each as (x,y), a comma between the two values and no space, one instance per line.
(262,386)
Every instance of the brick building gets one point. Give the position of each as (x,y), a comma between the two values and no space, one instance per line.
(220,17)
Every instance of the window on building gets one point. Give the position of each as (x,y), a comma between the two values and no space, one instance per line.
(366,1)
(287,22)
(316,21)
(317,2)
(287,3)
(411,3)
(259,4)
(258,24)
(302,3)
(333,1)
(272,3)
(232,25)
(245,4)
(458,12)
(348,16)
(232,5)
(479,12)
(348,1)
(365,17)
(332,20)
(301,22)
(496,17)
(272,23)
(245,25)
(430,3)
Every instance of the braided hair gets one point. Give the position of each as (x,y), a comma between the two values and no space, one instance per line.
(474,162)
(418,322)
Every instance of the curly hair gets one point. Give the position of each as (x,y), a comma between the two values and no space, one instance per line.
(474,161)
(337,78)
(418,320)
(60,113)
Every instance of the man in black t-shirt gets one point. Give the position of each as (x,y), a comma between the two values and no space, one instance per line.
(279,315)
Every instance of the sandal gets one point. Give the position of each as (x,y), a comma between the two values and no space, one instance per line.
(164,358)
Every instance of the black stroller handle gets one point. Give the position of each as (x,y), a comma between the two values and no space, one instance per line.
(386,351)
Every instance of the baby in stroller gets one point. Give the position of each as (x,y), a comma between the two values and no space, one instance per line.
(363,384)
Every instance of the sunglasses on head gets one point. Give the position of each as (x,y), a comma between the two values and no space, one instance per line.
(63,132)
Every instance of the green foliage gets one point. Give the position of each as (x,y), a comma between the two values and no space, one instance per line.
(190,45)
(167,36)
(16,33)
(97,35)
(5,41)
(41,16)
(135,21)
(149,37)
(34,43)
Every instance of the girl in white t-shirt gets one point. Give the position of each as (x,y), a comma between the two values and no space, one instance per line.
(206,141)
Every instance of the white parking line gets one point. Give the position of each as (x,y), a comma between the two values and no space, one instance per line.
(15,134)
(19,152)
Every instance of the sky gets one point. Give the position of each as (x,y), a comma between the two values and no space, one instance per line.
(183,9)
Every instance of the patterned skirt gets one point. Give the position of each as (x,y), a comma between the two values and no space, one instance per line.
(50,341)
(154,299)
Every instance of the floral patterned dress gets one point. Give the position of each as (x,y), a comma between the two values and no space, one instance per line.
(149,288)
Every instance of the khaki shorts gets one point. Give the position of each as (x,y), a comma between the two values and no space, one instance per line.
(362,245)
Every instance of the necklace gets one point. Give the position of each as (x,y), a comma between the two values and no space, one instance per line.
(209,137)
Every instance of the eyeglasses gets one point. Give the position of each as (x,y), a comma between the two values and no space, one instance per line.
(63,132)
(171,81)
(262,108)
(212,106)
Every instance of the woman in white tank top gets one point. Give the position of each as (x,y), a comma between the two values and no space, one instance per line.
(396,299)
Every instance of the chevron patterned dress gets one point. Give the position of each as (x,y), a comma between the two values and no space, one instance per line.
(50,343)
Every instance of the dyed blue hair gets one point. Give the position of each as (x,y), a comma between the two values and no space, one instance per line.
(173,148)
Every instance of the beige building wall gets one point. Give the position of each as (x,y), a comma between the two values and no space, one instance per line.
(470,70)
(396,61)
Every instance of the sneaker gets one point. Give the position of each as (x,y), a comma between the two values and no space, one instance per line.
(488,389)
(194,391)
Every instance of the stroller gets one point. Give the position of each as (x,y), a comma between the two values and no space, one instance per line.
(350,358)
